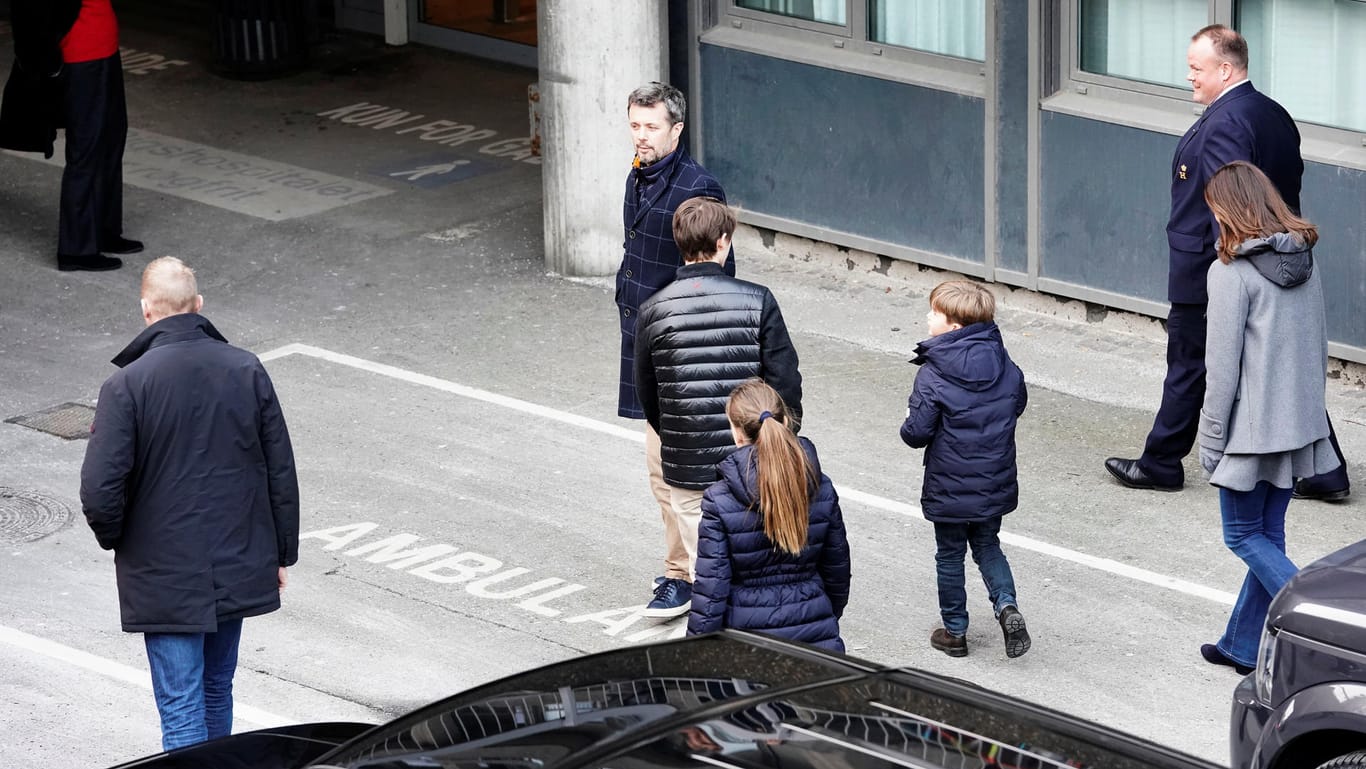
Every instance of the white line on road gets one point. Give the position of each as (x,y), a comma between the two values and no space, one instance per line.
(120,672)
(871,500)
(456,389)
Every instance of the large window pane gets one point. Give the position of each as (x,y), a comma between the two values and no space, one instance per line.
(1309,55)
(951,27)
(1140,39)
(828,11)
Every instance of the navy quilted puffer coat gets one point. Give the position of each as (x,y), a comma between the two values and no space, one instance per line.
(967,397)
(744,582)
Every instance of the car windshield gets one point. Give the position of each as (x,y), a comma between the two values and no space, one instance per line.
(885,723)
(538,718)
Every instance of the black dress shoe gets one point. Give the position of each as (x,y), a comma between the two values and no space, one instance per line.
(1213,656)
(121,245)
(1127,472)
(96,263)
(1306,490)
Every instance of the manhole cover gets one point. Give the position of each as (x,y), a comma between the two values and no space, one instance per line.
(25,516)
(69,420)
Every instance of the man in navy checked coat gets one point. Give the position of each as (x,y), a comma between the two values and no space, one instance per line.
(1239,123)
(662,176)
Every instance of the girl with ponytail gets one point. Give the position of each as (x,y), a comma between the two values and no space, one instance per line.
(772,555)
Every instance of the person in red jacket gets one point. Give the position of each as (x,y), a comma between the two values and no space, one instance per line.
(90,225)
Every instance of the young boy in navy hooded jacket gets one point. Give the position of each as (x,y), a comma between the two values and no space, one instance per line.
(963,407)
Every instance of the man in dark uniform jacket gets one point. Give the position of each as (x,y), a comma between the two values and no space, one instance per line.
(1239,123)
(662,176)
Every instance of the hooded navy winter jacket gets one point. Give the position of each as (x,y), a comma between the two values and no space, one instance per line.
(967,397)
(744,582)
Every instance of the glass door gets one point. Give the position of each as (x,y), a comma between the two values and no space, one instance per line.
(502,30)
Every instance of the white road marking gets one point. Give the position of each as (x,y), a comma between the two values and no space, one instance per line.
(871,500)
(264,719)
(121,672)
(443,385)
(137,62)
(247,184)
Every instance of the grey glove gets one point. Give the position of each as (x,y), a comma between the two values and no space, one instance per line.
(1209,459)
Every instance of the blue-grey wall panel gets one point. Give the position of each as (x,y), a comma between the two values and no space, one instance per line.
(1104,197)
(833,149)
(1105,193)
(1335,199)
(1012,135)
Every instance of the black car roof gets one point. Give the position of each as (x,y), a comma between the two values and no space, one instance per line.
(741,701)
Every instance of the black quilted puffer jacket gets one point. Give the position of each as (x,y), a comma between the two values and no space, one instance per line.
(696,339)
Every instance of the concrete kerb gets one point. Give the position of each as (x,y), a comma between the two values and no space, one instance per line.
(885,272)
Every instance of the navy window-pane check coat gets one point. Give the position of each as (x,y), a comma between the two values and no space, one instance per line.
(650,258)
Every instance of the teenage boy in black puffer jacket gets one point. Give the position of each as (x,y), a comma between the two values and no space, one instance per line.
(696,340)
(967,397)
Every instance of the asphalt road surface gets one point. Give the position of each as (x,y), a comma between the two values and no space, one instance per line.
(472,506)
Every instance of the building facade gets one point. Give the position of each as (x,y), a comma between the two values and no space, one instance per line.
(1026,142)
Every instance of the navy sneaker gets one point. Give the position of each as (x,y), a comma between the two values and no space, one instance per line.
(673,597)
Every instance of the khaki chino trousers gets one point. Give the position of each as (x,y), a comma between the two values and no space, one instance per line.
(679,509)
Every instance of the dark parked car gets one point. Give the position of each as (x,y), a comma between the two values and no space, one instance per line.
(724,701)
(1304,705)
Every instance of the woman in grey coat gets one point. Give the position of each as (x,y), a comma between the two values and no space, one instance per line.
(1263,423)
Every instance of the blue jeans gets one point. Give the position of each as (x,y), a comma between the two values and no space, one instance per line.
(1254,529)
(192,680)
(952,541)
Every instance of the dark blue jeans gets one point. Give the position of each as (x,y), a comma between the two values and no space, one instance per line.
(192,680)
(952,541)
(1254,529)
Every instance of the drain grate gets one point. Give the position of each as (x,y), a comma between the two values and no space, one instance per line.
(70,420)
(26,516)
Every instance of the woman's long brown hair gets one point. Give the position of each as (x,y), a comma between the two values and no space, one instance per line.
(1246,205)
(785,475)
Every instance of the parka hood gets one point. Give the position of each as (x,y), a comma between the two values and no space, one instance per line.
(973,357)
(1282,258)
(739,473)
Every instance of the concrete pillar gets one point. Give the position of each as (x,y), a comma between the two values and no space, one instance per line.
(396,22)
(592,54)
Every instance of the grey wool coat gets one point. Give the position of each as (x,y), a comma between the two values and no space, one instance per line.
(1266,352)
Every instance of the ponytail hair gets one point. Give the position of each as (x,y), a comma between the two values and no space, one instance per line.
(785,475)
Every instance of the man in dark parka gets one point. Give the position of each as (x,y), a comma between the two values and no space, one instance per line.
(189,478)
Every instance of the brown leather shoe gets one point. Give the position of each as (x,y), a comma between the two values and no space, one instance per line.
(950,644)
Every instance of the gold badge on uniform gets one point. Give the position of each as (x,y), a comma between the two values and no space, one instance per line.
(1183,171)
